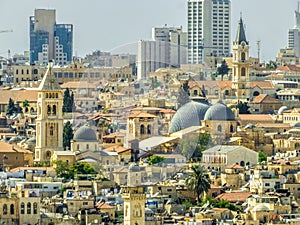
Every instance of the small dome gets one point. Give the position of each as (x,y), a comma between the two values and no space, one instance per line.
(85,133)
(282,109)
(190,114)
(219,111)
(297,124)
(31,140)
(249,126)
(259,208)
(134,168)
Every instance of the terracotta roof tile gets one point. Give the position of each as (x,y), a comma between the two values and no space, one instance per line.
(256,117)
(141,115)
(261,84)
(234,196)
(264,98)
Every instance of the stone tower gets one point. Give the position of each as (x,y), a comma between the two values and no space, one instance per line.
(49,122)
(240,64)
(134,206)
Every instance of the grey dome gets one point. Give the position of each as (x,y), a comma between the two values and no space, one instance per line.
(282,109)
(219,111)
(85,133)
(190,114)
(297,124)
(134,168)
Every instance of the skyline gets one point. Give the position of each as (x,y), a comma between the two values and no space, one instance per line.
(133,20)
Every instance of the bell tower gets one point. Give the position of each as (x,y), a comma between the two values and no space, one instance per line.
(240,64)
(49,122)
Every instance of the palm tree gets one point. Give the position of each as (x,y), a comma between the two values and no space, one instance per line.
(198,181)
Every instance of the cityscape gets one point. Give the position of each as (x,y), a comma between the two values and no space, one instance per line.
(197,123)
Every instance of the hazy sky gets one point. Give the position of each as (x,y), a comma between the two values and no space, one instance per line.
(109,24)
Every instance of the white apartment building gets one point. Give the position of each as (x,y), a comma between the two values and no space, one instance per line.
(168,48)
(208,25)
(294,35)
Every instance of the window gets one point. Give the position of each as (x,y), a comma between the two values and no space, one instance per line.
(48,109)
(4,209)
(22,208)
(142,129)
(51,131)
(149,129)
(28,208)
(12,209)
(219,128)
(243,56)
(243,71)
(54,110)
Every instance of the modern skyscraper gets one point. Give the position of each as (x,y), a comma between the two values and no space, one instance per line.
(294,35)
(48,40)
(208,25)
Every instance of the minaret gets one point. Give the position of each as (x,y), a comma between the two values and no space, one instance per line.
(49,122)
(240,64)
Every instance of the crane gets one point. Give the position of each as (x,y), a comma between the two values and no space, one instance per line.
(5,31)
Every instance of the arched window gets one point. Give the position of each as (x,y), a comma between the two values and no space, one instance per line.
(54,110)
(48,154)
(243,56)
(226,92)
(27,71)
(46,95)
(242,163)
(22,71)
(231,129)
(35,208)
(12,209)
(51,130)
(77,146)
(28,208)
(142,129)
(149,129)
(48,109)
(56,95)
(4,209)
(219,128)
(195,92)
(17,71)
(87,146)
(243,71)
(22,208)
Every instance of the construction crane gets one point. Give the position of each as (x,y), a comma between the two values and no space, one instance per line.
(5,31)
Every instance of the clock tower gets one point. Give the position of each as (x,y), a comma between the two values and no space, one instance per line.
(49,122)
(240,65)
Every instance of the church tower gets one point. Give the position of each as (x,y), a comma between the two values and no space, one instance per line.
(240,64)
(134,205)
(49,122)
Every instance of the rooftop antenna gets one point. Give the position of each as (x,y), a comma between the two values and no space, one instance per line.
(258,50)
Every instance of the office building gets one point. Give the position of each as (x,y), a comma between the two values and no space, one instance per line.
(294,35)
(48,40)
(168,48)
(208,25)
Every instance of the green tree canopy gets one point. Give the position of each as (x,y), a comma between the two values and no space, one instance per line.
(68,105)
(223,69)
(155,159)
(198,181)
(262,157)
(243,107)
(67,135)
(64,170)
(11,108)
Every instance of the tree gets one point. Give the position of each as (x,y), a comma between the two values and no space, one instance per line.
(155,159)
(64,170)
(67,135)
(183,96)
(26,105)
(68,105)
(11,108)
(262,157)
(198,182)
(223,69)
(243,107)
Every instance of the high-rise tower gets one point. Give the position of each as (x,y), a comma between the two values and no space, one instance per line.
(48,40)
(208,25)
(49,122)
(294,34)
(240,64)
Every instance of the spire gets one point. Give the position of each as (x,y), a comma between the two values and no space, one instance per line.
(49,82)
(240,35)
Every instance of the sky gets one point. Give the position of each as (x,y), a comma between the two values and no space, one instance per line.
(116,25)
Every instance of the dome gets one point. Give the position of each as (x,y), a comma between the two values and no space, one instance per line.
(31,140)
(219,111)
(297,124)
(134,168)
(190,114)
(259,208)
(249,126)
(282,109)
(85,133)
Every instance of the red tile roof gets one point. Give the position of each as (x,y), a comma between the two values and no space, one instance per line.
(142,115)
(234,196)
(264,98)
(256,117)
